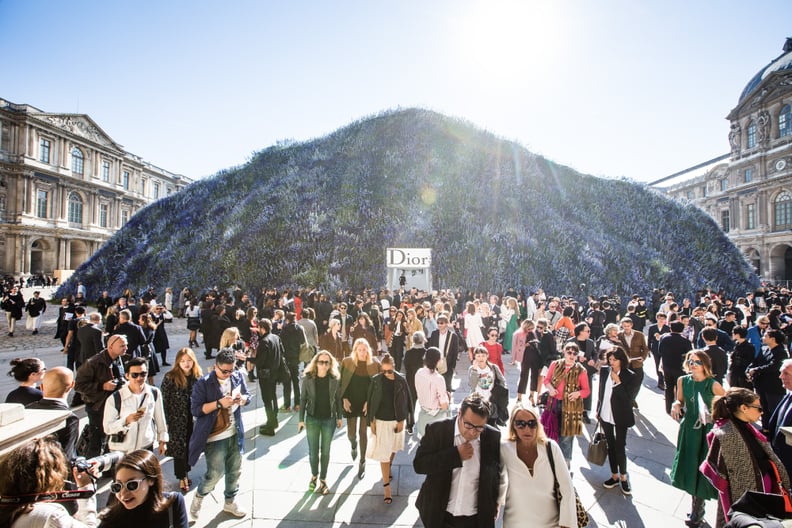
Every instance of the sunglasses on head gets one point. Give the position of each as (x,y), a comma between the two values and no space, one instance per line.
(136,375)
(522,424)
(130,485)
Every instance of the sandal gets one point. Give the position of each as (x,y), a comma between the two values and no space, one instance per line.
(387,500)
(312,484)
(184,484)
(323,489)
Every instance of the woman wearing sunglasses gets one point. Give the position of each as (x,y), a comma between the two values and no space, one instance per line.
(140,500)
(531,475)
(696,388)
(615,413)
(740,459)
(320,414)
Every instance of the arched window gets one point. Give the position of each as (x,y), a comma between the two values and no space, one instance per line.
(751,142)
(78,161)
(75,208)
(785,121)
(783,211)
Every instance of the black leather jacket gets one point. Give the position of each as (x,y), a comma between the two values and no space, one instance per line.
(402,400)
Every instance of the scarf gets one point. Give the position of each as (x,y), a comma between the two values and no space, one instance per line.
(571,411)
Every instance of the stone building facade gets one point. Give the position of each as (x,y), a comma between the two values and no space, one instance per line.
(65,188)
(749,190)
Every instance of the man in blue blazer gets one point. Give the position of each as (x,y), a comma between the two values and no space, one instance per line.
(782,417)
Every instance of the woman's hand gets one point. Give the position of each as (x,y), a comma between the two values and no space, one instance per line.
(572,396)
(338,425)
(400,426)
(552,390)
(365,409)
(301,425)
(676,411)
(347,405)
(373,427)
(614,376)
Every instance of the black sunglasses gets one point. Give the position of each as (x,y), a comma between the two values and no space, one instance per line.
(387,372)
(478,428)
(322,362)
(224,371)
(522,424)
(136,375)
(130,485)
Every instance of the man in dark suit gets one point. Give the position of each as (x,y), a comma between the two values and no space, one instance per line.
(672,349)
(90,337)
(56,386)
(653,334)
(133,333)
(461,452)
(449,344)
(782,417)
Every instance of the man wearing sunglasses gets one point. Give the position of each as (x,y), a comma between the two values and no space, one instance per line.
(460,457)
(132,414)
(216,402)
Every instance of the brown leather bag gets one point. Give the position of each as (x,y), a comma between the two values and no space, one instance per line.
(222,422)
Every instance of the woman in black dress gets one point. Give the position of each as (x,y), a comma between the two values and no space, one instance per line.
(176,391)
(357,369)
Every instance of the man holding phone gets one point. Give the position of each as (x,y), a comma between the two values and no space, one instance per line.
(216,402)
(132,414)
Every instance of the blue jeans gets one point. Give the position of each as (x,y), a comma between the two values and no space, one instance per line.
(221,457)
(565,443)
(320,434)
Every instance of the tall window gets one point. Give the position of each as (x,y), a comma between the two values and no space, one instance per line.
(724,184)
(783,211)
(125,180)
(751,143)
(748,175)
(42,203)
(44,151)
(750,217)
(75,208)
(124,217)
(725,220)
(143,186)
(78,161)
(103,215)
(156,190)
(785,121)
(704,190)
(106,171)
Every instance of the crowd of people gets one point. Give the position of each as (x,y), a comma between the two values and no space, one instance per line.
(383,363)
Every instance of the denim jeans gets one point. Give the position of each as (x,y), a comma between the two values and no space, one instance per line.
(320,434)
(222,456)
(565,443)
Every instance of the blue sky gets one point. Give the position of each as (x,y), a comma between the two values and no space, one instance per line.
(610,87)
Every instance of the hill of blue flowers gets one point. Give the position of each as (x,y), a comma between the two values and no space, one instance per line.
(322,212)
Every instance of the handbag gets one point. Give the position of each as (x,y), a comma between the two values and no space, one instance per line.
(442,365)
(550,418)
(598,448)
(306,352)
(284,374)
(582,514)
(222,421)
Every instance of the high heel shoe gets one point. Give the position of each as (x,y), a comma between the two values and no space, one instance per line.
(312,483)
(323,489)
(387,499)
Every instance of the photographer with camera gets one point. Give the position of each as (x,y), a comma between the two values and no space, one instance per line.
(131,413)
(98,378)
(33,486)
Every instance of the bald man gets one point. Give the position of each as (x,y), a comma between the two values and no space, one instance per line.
(56,386)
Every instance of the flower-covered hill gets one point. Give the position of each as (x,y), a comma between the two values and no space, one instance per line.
(322,212)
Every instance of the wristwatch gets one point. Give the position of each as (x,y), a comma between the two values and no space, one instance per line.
(219,405)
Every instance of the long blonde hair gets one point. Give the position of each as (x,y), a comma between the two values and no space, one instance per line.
(229,337)
(361,341)
(310,369)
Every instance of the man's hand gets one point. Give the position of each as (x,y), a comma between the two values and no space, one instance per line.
(163,446)
(465,451)
(135,416)
(109,386)
(226,401)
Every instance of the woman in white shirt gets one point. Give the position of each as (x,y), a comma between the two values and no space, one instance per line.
(530,481)
(431,390)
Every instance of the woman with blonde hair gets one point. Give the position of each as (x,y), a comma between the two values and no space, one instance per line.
(533,464)
(230,338)
(320,414)
(176,390)
(357,369)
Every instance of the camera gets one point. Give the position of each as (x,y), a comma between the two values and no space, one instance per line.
(103,463)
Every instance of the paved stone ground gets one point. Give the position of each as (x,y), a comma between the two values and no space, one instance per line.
(275,474)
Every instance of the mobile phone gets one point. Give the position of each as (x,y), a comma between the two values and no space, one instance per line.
(143,403)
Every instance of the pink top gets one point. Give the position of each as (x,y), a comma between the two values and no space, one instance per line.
(430,388)
(583,383)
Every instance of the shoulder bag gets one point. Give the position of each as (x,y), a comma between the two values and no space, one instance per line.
(582,515)
(598,448)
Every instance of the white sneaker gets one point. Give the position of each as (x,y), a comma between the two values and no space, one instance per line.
(233,508)
(195,507)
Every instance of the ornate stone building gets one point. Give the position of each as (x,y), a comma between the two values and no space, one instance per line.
(749,190)
(65,188)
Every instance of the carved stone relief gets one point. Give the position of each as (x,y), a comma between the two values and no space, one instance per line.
(80,127)
(734,138)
